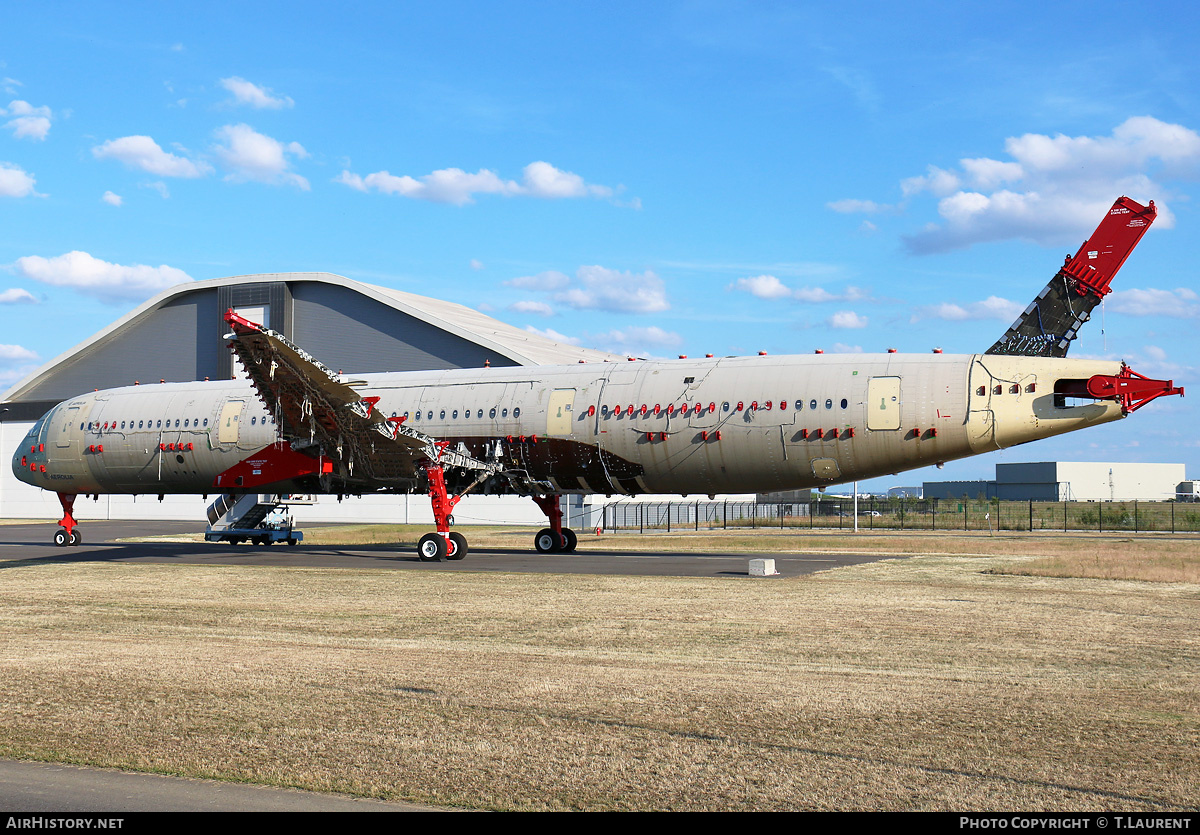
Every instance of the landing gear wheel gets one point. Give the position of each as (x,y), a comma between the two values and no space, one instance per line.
(458,546)
(61,538)
(570,540)
(76,536)
(292,540)
(546,542)
(432,548)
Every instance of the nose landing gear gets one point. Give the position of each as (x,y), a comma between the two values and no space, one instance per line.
(69,533)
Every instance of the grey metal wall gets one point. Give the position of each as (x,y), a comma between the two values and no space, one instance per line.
(349,331)
(165,345)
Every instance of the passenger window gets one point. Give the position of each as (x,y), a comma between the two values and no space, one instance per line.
(998,390)
(725,407)
(799,405)
(844,403)
(517,412)
(829,403)
(504,412)
(492,412)
(812,404)
(480,413)
(455,414)
(1014,389)
(253,421)
(206,421)
(442,415)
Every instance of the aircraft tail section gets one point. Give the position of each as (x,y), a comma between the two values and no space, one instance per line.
(1047,327)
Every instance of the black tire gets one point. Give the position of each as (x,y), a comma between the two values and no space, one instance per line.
(292,540)
(432,548)
(76,537)
(61,538)
(458,546)
(546,542)
(570,540)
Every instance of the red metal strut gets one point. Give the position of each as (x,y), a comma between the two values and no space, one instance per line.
(553,509)
(68,523)
(1130,389)
(443,502)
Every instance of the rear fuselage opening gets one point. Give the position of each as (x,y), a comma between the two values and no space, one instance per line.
(1071,393)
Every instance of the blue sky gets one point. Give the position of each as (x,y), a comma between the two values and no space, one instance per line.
(656,179)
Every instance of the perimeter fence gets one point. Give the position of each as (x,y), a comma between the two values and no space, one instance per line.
(903,514)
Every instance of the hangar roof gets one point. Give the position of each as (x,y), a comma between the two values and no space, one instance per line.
(177,336)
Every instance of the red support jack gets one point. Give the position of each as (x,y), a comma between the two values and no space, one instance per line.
(556,538)
(68,534)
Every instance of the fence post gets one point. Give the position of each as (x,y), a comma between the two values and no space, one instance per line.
(1031,515)
(1172,517)
(1135,524)
(641,517)
(1064,517)
(725,516)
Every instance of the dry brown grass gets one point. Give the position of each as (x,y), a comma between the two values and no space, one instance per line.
(915,684)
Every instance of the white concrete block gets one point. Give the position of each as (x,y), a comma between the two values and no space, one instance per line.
(762,568)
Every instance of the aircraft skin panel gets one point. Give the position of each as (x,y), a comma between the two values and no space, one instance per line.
(793,411)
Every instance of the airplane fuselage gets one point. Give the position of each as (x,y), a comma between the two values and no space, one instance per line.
(729,425)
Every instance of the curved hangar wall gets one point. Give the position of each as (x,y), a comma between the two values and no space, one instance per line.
(177,336)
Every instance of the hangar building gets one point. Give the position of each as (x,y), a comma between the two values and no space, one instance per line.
(177,336)
(1068,481)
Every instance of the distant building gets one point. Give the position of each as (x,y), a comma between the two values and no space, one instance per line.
(1061,481)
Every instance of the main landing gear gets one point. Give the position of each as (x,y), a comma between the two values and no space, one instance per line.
(68,534)
(555,539)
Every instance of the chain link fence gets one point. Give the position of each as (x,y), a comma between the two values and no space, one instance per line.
(903,514)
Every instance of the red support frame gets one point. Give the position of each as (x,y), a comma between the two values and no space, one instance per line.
(1130,389)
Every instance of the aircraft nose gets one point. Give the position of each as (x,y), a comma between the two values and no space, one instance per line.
(29,461)
(21,464)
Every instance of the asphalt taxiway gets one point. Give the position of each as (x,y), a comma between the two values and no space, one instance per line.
(103,542)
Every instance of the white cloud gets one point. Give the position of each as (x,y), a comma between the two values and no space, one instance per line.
(600,288)
(104,280)
(30,122)
(536,308)
(847,319)
(111,198)
(554,335)
(15,353)
(476,264)
(159,186)
(1180,303)
(10,85)
(869,207)
(843,348)
(763,286)
(250,155)
(14,182)
(144,153)
(770,287)
(541,179)
(17,296)
(459,187)
(993,307)
(636,336)
(1053,190)
(546,281)
(244,92)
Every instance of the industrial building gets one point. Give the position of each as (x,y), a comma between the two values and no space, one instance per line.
(177,336)
(1068,481)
